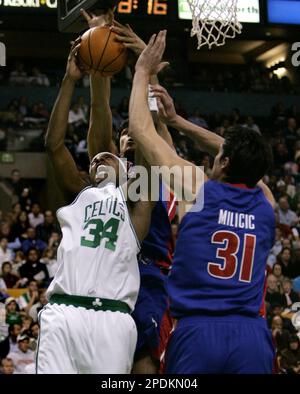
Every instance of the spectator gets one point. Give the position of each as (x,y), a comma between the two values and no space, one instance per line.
(285,260)
(38,306)
(19,260)
(273,295)
(286,215)
(38,79)
(21,225)
(12,311)
(289,295)
(7,366)
(197,119)
(6,232)
(49,226)
(290,356)
(18,76)
(77,117)
(281,155)
(14,330)
(250,124)
(83,106)
(276,249)
(6,254)
(34,335)
(277,272)
(279,334)
(26,323)
(11,280)
(23,106)
(33,269)
(23,356)
(50,262)
(54,241)
(16,210)
(16,182)
(32,242)
(30,298)
(35,217)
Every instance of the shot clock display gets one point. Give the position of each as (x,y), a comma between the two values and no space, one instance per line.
(143,7)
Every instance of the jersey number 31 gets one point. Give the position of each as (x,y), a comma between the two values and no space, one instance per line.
(228,254)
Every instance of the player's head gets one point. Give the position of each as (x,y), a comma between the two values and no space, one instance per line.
(244,157)
(126,143)
(105,168)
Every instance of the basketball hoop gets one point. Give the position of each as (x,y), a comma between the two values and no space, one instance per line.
(214,21)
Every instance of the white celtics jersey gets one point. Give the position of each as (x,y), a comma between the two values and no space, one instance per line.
(98,253)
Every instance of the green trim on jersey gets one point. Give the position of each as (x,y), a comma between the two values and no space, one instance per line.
(95,303)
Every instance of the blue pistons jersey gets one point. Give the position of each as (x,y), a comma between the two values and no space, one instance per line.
(221,253)
(158,245)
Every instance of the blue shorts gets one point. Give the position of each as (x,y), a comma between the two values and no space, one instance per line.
(220,345)
(151,305)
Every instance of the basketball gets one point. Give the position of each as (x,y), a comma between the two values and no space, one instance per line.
(101,52)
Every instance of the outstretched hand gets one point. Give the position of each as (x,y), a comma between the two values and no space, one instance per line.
(150,60)
(93,20)
(165,103)
(129,38)
(73,71)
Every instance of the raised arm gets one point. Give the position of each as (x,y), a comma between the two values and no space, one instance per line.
(132,41)
(100,127)
(156,151)
(208,141)
(66,172)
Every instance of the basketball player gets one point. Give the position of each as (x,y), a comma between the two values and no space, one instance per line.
(151,310)
(217,278)
(87,326)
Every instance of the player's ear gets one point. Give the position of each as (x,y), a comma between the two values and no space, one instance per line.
(224,162)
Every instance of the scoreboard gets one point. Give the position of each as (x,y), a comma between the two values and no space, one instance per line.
(144,7)
(129,7)
(265,12)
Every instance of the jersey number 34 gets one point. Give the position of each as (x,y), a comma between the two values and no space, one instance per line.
(97,231)
(228,254)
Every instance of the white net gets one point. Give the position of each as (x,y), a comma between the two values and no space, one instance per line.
(214,21)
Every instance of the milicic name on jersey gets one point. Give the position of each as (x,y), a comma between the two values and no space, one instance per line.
(236,219)
(100,208)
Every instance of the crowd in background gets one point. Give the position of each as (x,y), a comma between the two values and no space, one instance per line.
(253,77)
(30,235)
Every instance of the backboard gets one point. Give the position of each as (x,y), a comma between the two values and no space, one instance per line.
(69,18)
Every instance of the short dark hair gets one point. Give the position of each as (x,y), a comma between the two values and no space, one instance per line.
(33,249)
(249,155)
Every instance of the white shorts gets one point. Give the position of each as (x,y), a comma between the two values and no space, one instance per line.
(75,340)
